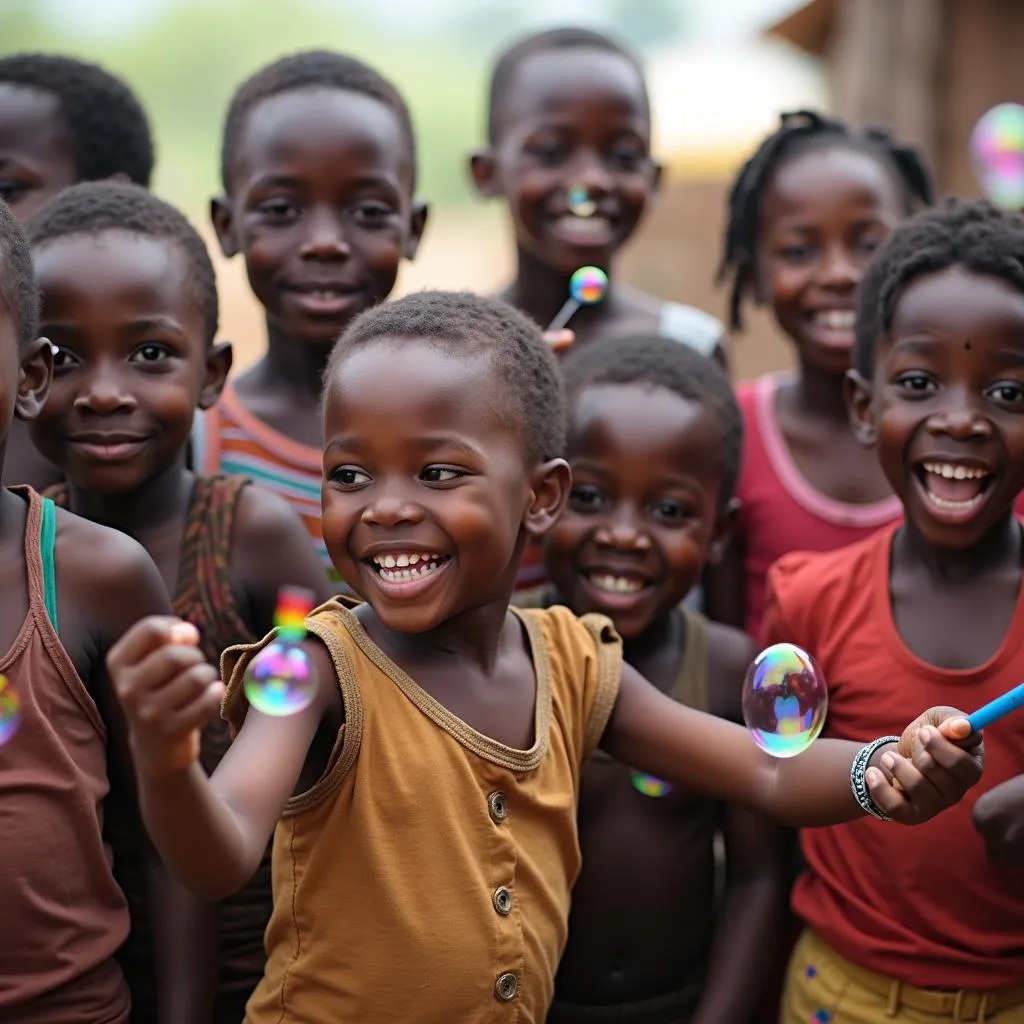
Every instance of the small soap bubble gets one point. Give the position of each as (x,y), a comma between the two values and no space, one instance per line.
(580,202)
(280,680)
(649,785)
(785,700)
(588,285)
(997,151)
(10,710)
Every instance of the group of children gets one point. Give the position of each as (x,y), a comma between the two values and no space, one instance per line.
(517,701)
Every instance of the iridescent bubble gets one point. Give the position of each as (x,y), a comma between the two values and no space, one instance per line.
(649,785)
(581,204)
(10,710)
(785,700)
(280,680)
(997,151)
(588,285)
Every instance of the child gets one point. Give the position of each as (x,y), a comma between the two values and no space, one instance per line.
(805,214)
(427,795)
(62,121)
(319,171)
(130,304)
(654,445)
(70,588)
(918,926)
(569,149)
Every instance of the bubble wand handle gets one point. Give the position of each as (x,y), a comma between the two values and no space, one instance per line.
(564,315)
(998,708)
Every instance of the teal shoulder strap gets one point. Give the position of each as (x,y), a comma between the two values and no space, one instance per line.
(47,543)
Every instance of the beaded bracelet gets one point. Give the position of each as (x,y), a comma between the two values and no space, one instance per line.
(858,771)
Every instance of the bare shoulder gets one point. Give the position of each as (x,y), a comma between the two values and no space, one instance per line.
(730,652)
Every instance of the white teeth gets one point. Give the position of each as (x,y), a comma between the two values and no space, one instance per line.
(955,506)
(585,228)
(616,584)
(406,565)
(402,560)
(836,319)
(955,472)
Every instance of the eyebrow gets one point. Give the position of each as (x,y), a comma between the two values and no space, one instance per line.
(359,443)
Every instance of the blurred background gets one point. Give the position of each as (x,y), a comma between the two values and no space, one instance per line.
(719,74)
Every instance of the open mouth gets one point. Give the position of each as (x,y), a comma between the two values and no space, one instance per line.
(407,566)
(953,487)
(615,584)
(615,589)
(585,231)
(834,327)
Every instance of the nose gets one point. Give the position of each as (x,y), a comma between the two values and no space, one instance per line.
(325,239)
(103,392)
(590,172)
(623,531)
(390,506)
(959,418)
(838,270)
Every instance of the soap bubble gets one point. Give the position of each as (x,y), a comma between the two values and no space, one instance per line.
(997,151)
(588,285)
(280,680)
(649,785)
(10,710)
(784,700)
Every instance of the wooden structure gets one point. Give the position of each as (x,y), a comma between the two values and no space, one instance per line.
(925,69)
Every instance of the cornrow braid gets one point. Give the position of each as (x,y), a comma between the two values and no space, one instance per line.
(797,132)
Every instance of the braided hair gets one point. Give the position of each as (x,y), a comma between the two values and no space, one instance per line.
(799,131)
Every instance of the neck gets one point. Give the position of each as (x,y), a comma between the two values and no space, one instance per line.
(997,549)
(819,394)
(292,365)
(473,637)
(159,501)
(660,634)
(540,292)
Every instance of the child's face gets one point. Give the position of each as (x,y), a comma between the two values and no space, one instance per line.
(36,161)
(426,496)
(945,405)
(643,513)
(822,215)
(321,208)
(131,364)
(572,119)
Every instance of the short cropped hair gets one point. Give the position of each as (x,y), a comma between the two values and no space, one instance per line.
(18,290)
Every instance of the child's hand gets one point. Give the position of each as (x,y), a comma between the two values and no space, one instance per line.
(999,817)
(168,691)
(938,759)
(560,340)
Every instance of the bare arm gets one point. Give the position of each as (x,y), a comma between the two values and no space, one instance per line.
(653,733)
(212,832)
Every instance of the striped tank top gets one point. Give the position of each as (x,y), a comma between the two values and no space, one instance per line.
(229,439)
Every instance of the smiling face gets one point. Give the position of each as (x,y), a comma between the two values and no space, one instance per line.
(131,363)
(321,208)
(644,511)
(945,405)
(823,214)
(572,120)
(426,488)
(36,160)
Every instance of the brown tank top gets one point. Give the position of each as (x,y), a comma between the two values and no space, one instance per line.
(62,915)
(205,598)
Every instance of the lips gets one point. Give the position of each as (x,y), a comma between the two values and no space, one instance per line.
(615,588)
(595,232)
(323,298)
(112,447)
(955,490)
(833,328)
(406,573)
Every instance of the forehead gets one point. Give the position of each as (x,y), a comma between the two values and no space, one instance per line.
(565,82)
(399,388)
(959,306)
(32,125)
(115,271)
(830,179)
(648,428)
(304,127)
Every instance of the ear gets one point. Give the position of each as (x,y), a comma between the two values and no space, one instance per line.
(35,370)
(120,177)
(223,220)
(218,365)
(483,169)
(417,225)
(550,483)
(859,402)
(657,176)
(725,527)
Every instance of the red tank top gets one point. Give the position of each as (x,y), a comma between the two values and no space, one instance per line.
(62,915)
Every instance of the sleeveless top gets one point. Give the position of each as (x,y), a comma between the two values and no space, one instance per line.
(426,875)
(229,439)
(204,597)
(63,916)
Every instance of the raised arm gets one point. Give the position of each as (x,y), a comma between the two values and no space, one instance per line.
(927,774)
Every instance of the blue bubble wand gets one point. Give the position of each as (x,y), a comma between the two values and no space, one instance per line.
(998,708)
